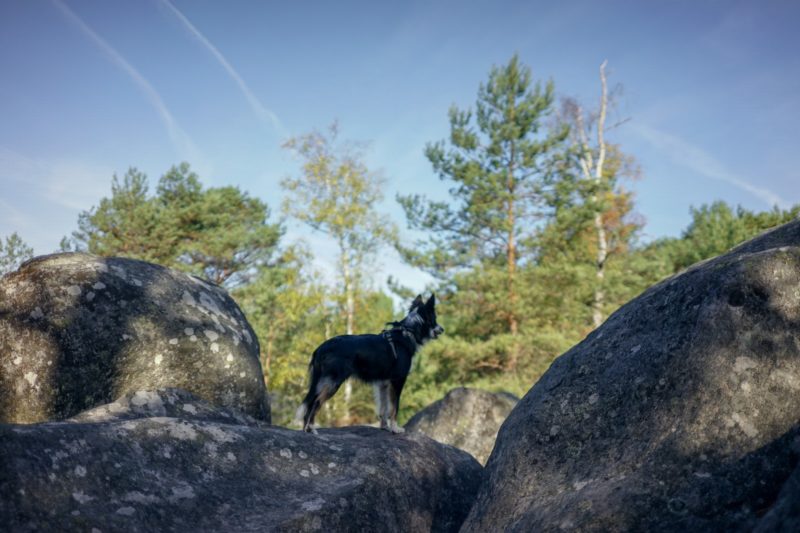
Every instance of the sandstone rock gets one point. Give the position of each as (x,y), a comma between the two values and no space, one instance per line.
(77,331)
(168,461)
(465,418)
(680,413)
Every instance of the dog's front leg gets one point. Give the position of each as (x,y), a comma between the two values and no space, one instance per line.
(395,388)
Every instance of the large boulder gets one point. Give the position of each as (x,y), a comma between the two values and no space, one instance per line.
(679,413)
(465,418)
(77,331)
(167,461)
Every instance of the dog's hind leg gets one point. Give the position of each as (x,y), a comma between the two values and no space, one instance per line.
(301,415)
(394,390)
(325,388)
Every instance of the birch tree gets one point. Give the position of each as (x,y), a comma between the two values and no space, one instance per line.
(335,193)
(600,165)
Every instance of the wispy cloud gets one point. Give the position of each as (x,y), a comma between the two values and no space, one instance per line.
(180,140)
(12,218)
(703,163)
(67,183)
(41,197)
(261,111)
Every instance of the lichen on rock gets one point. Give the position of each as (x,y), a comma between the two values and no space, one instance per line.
(147,463)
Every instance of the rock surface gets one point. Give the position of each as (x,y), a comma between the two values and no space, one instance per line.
(167,461)
(784,516)
(680,413)
(465,418)
(77,331)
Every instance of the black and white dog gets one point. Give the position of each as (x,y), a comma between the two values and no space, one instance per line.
(383,360)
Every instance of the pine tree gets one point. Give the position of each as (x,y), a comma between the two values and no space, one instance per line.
(499,162)
(219,233)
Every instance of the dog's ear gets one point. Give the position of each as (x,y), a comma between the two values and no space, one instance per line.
(416,303)
(431,301)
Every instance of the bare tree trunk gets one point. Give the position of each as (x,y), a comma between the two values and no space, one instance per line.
(602,241)
(349,318)
(602,253)
(513,323)
(511,250)
(268,355)
(593,170)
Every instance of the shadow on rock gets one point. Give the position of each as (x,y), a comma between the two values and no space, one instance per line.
(77,331)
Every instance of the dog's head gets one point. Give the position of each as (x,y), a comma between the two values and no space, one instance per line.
(423,315)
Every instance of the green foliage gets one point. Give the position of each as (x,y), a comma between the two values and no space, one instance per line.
(220,233)
(227,235)
(718,228)
(457,362)
(714,230)
(553,224)
(287,305)
(13,253)
(567,260)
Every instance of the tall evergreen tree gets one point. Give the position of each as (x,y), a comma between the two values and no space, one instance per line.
(499,162)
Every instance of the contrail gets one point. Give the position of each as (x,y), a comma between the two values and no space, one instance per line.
(260,110)
(703,163)
(180,140)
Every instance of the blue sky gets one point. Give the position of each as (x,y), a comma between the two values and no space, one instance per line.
(89,88)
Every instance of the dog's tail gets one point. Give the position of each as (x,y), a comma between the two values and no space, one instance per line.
(313,373)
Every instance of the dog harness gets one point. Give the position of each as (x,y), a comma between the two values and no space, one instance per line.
(387,334)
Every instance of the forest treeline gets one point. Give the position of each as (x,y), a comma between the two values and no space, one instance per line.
(538,242)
